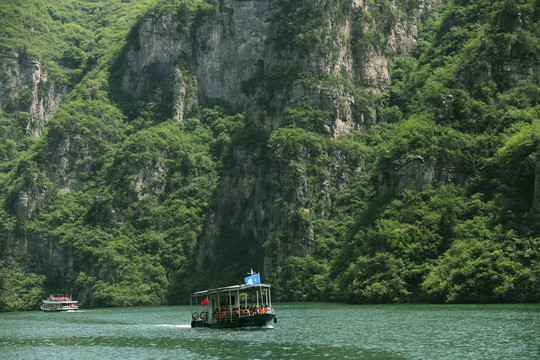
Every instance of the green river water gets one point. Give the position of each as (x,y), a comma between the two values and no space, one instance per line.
(303,331)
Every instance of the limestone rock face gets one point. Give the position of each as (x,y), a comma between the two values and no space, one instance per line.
(260,202)
(53,257)
(26,87)
(26,80)
(249,202)
(149,179)
(157,46)
(415,173)
(68,172)
(221,53)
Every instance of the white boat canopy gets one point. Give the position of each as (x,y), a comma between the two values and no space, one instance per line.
(241,288)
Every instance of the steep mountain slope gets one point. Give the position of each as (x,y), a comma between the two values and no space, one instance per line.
(317,67)
(350,150)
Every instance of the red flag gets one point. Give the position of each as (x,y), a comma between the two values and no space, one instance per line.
(204,302)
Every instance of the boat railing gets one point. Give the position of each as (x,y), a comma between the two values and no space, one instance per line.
(228,316)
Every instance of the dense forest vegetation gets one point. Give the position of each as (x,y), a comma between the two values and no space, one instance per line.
(475,240)
(451,104)
(472,241)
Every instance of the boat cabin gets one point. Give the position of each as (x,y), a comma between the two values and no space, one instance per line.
(232,306)
(60,302)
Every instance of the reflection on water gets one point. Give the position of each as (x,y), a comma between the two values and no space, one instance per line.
(303,331)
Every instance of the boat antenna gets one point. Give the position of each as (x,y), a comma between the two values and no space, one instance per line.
(251,272)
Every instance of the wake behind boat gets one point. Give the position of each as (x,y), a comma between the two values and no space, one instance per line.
(60,302)
(245,305)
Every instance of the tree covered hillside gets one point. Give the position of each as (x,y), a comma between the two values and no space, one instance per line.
(465,106)
(437,197)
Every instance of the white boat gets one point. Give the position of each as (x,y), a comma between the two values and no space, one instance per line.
(245,305)
(60,302)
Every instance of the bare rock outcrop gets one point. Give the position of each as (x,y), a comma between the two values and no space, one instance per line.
(26,86)
(237,44)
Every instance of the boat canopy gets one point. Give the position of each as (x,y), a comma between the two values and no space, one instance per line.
(240,288)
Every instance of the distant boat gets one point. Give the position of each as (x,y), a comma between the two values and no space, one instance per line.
(60,302)
(246,305)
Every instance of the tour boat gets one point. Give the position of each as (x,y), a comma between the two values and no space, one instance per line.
(245,305)
(59,302)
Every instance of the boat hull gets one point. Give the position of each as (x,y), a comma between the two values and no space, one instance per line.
(56,306)
(258,320)
(58,310)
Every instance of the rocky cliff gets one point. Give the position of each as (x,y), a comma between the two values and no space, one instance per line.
(25,86)
(240,46)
